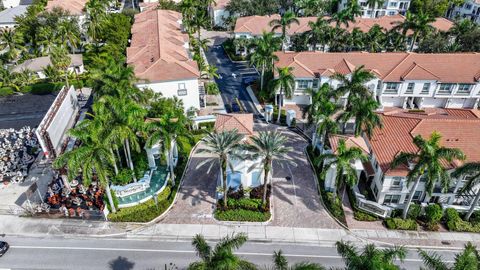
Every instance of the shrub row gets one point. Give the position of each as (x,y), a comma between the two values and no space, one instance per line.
(245,203)
(242,215)
(456,224)
(400,224)
(6,91)
(363,216)
(146,211)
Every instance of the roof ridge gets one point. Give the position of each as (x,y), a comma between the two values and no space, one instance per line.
(397,65)
(302,65)
(413,66)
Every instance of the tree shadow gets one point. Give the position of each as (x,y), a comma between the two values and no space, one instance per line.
(121,263)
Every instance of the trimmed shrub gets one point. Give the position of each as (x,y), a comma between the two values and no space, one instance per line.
(146,211)
(475,218)
(123,177)
(400,224)
(414,211)
(212,88)
(257,192)
(362,216)
(433,213)
(456,224)
(43,88)
(245,203)
(242,215)
(6,91)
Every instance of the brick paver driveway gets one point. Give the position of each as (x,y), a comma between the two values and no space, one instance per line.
(296,202)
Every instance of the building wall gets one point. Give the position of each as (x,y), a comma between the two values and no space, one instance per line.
(469,10)
(219,16)
(249,178)
(10,3)
(389,8)
(171,88)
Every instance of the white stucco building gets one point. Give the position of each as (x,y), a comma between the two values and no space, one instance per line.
(389,8)
(218,12)
(405,80)
(469,10)
(159,53)
(388,187)
(76,8)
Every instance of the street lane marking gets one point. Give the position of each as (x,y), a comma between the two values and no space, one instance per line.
(192,252)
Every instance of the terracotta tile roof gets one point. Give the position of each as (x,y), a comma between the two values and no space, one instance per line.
(75,7)
(221,4)
(243,123)
(158,49)
(350,141)
(459,129)
(390,67)
(257,24)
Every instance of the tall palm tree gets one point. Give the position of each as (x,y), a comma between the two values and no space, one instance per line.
(281,263)
(473,170)
(211,72)
(225,146)
(284,85)
(200,20)
(268,146)
(96,13)
(221,257)
(264,55)
(342,159)
(348,14)
(363,111)
(354,85)
(418,23)
(92,157)
(373,4)
(320,112)
(319,32)
(468,259)
(428,163)
(356,40)
(370,257)
(284,23)
(241,43)
(68,33)
(10,43)
(375,39)
(61,60)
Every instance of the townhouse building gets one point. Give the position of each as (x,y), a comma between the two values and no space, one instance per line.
(403,79)
(382,188)
(218,12)
(389,8)
(160,56)
(253,26)
(469,10)
(76,8)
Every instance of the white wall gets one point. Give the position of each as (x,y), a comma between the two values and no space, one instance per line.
(10,3)
(170,89)
(249,178)
(219,15)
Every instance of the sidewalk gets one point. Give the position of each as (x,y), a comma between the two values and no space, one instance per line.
(12,225)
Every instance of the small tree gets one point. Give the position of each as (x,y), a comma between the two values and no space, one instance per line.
(370,257)
(61,61)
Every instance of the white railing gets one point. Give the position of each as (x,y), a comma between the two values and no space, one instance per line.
(371,207)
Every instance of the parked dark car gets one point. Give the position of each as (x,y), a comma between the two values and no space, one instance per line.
(3,248)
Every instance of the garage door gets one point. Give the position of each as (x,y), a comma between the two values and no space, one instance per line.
(392,101)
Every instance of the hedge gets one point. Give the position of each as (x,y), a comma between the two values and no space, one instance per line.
(363,216)
(146,211)
(456,224)
(242,215)
(6,91)
(401,224)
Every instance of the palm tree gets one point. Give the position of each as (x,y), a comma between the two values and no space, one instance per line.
(370,257)
(10,43)
(96,10)
(284,85)
(241,43)
(319,33)
(356,40)
(69,33)
(429,164)
(320,112)
(61,60)
(211,72)
(225,146)
(342,159)
(418,23)
(52,74)
(468,259)
(281,263)
(268,146)
(373,4)
(473,170)
(221,257)
(375,39)
(92,157)
(354,85)
(363,111)
(348,14)
(284,23)
(264,55)
(200,20)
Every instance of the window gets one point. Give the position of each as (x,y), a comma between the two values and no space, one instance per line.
(464,89)
(391,198)
(392,4)
(315,84)
(445,89)
(302,84)
(410,88)
(425,89)
(182,90)
(396,181)
(417,196)
(391,88)
(391,13)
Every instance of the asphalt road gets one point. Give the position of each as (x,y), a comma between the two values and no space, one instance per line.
(125,254)
(230,81)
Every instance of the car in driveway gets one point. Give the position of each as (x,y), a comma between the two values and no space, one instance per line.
(4,246)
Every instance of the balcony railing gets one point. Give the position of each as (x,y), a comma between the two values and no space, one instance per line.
(371,207)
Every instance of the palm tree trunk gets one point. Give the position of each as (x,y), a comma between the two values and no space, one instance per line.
(130,162)
(414,39)
(262,76)
(314,136)
(280,101)
(109,196)
(66,78)
(115,168)
(118,156)
(170,166)
(265,184)
(223,169)
(472,206)
(410,197)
